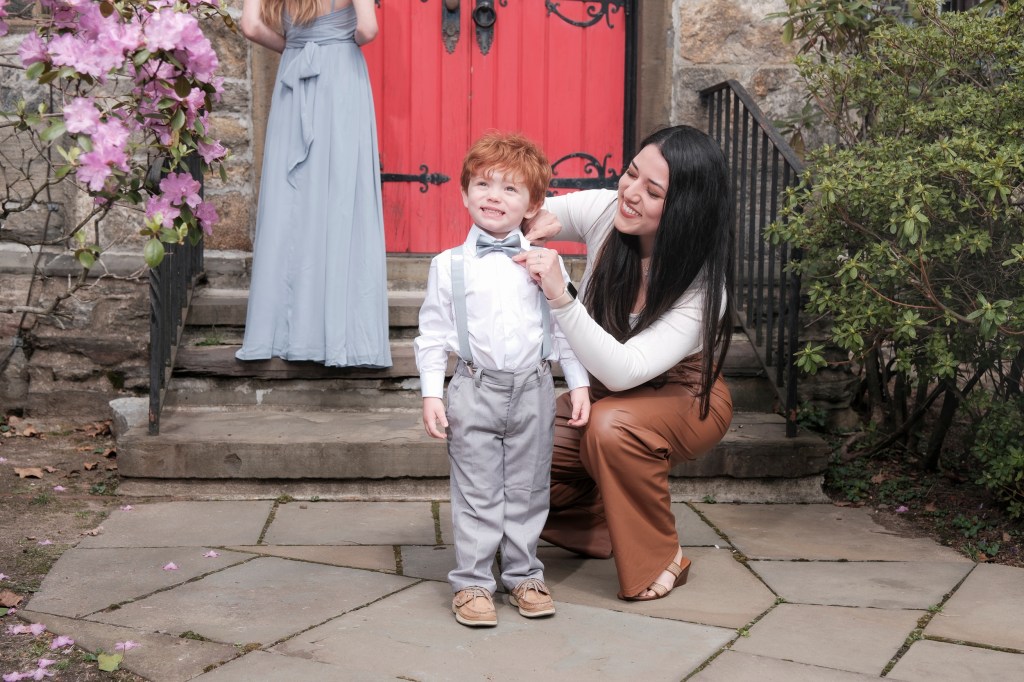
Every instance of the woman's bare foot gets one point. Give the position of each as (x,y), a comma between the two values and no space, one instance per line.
(666,579)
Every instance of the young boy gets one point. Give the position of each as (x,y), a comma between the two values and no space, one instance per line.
(485,307)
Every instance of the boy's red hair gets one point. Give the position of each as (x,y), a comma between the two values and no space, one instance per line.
(509,153)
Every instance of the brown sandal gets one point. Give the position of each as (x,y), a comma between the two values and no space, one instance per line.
(680,571)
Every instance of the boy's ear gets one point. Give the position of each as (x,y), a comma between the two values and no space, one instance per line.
(533,210)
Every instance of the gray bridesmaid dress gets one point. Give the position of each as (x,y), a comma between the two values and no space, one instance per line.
(319,280)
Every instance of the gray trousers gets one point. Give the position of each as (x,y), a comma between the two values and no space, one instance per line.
(500,439)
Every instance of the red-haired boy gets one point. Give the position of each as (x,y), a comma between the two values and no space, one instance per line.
(501,403)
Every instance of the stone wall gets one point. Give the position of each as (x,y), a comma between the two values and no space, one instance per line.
(717,40)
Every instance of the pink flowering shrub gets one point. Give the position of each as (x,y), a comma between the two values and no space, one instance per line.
(137,81)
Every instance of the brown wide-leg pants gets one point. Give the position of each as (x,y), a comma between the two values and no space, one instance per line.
(609,480)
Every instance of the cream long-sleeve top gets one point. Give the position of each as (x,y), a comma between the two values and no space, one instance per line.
(589,216)
(503,309)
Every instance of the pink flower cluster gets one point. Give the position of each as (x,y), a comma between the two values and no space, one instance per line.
(172,66)
(177,191)
(95,45)
(3,13)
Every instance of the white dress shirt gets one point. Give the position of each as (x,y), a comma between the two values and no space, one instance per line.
(589,216)
(503,310)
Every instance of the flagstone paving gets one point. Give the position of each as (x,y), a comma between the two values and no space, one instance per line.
(306,590)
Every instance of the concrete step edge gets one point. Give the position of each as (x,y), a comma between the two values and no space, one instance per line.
(289,444)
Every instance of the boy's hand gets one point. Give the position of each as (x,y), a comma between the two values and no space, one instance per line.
(580,399)
(433,415)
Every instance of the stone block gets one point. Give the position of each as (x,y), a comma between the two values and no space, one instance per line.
(422,640)
(852,639)
(231,47)
(236,211)
(730,32)
(232,606)
(232,129)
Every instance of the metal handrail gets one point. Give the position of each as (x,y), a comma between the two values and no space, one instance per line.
(762,166)
(170,290)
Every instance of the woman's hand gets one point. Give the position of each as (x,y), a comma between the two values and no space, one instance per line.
(542,264)
(541,227)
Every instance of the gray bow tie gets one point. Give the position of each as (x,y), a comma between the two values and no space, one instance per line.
(509,246)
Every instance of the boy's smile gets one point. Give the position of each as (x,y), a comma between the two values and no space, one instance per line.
(497,203)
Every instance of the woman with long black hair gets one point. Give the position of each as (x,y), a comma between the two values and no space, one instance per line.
(652,326)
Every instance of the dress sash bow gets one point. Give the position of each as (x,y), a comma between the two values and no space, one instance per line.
(300,78)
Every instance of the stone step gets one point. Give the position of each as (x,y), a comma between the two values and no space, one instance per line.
(220,361)
(406,271)
(749,394)
(226,307)
(278,444)
(210,376)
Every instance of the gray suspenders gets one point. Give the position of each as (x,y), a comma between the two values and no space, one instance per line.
(459,300)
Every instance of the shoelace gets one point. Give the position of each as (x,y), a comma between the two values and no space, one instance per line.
(531,584)
(476,592)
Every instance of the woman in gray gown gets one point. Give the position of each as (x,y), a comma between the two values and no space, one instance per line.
(319,282)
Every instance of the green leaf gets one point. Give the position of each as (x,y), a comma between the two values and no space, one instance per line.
(179,120)
(3,611)
(182,87)
(108,663)
(35,71)
(153,252)
(56,129)
(168,235)
(141,57)
(86,258)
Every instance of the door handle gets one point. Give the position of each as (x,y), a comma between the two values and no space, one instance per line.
(484,16)
(450,24)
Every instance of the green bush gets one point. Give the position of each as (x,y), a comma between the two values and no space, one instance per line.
(999,448)
(911,225)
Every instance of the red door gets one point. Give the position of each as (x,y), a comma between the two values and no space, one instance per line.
(554,71)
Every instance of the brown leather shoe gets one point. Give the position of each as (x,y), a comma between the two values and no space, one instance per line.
(473,607)
(533,599)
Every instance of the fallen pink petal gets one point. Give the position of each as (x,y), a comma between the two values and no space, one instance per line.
(37,629)
(126,646)
(4,576)
(46,662)
(211,555)
(127,507)
(3,460)
(61,641)
(59,488)
(171,567)
(15,676)
(901,509)
(45,542)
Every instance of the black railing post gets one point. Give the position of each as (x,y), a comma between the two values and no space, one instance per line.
(170,287)
(767,290)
